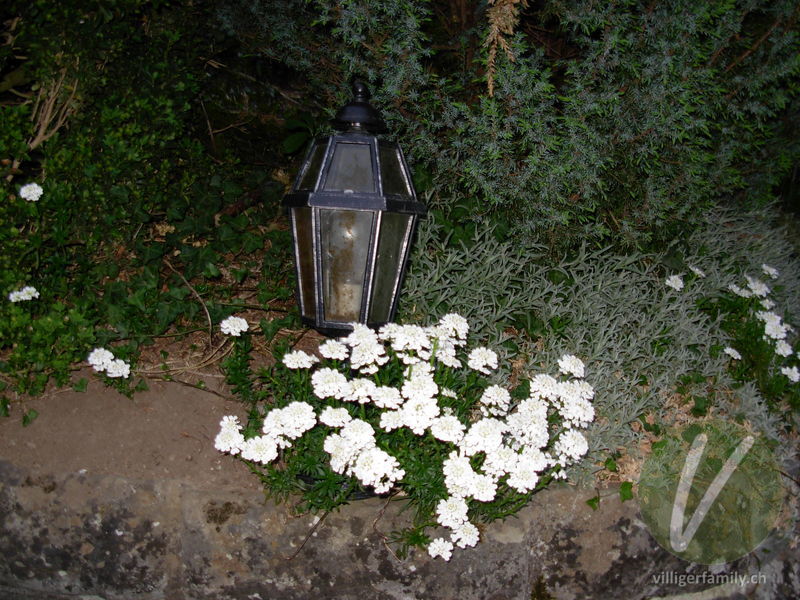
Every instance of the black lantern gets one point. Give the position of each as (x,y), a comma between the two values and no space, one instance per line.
(353,210)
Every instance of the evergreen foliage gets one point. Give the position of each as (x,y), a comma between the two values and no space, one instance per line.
(613,122)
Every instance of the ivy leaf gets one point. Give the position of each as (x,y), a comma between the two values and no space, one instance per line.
(626,491)
(29,417)
(593,502)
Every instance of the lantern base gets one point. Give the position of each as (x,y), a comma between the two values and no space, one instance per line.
(335,330)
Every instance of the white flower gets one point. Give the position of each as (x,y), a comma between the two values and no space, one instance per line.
(409,338)
(455,325)
(758,287)
(451,512)
(500,461)
(229,439)
(391,420)
(570,446)
(361,390)
(497,399)
(359,433)
(773,325)
(31,192)
(792,373)
(524,476)
(739,291)
(544,386)
(289,422)
(733,353)
(118,368)
(419,413)
(361,334)
(387,397)
(574,405)
(484,488)
(329,383)
(782,348)
(485,435)
(440,547)
(334,417)
(458,474)
(697,271)
(447,429)
(26,293)
(528,423)
(100,359)
(767,304)
(234,326)
(482,359)
(299,360)
(770,271)
(571,365)
(333,350)
(367,355)
(262,449)
(419,386)
(378,469)
(675,282)
(465,535)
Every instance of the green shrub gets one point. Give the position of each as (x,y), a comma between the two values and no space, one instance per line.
(615,122)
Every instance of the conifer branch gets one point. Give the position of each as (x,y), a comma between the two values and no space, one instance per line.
(503,18)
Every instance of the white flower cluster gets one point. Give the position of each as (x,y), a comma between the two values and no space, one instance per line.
(26,293)
(31,192)
(775,329)
(234,326)
(675,282)
(299,360)
(281,425)
(513,448)
(103,361)
(515,444)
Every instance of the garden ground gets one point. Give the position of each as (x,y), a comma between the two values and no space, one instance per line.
(108,497)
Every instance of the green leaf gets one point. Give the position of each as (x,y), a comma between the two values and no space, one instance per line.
(80,385)
(4,407)
(594,502)
(691,432)
(626,491)
(295,142)
(611,464)
(29,417)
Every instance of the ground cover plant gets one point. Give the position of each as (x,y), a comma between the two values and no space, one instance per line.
(124,223)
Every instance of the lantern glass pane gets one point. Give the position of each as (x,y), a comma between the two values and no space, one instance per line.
(304,253)
(309,179)
(345,237)
(392,245)
(392,171)
(351,169)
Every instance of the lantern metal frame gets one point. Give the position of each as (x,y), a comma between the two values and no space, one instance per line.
(389,209)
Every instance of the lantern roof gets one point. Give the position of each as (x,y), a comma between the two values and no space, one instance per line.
(359,114)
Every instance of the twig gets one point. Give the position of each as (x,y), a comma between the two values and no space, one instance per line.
(202,388)
(196,295)
(383,536)
(754,47)
(310,533)
(208,124)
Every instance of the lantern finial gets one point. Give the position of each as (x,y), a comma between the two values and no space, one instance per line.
(359,114)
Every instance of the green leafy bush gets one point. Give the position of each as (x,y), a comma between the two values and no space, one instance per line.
(611,123)
(138,232)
